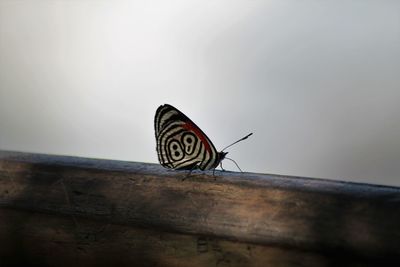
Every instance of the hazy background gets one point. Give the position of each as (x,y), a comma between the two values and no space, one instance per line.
(318,82)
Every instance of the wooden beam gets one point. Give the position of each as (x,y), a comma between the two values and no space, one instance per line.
(322,217)
(36,239)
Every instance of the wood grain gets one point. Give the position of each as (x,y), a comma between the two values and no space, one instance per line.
(311,220)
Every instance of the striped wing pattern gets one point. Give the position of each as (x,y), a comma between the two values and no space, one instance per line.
(181,145)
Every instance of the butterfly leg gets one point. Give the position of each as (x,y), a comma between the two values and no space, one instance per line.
(220,164)
(195,166)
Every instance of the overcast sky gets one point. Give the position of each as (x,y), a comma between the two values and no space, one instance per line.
(318,82)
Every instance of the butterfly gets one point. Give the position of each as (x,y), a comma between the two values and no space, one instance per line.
(181,144)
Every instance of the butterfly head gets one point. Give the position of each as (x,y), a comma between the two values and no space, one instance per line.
(221,155)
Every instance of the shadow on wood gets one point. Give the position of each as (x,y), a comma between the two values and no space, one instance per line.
(67,211)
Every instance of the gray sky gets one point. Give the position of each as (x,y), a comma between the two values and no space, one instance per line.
(316,81)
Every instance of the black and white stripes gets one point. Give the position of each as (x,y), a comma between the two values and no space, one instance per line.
(181,144)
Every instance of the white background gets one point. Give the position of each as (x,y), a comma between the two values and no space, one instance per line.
(316,81)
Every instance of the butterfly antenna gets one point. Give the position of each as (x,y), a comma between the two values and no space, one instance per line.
(235,164)
(241,139)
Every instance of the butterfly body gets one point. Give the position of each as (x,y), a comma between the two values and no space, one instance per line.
(181,144)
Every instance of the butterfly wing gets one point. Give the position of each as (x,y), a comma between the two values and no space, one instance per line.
(180,143)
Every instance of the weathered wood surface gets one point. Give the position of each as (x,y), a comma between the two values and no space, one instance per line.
(50,199)
(30,238)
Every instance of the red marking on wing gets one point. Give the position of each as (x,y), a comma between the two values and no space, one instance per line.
(189,126)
